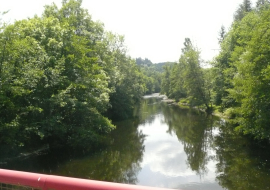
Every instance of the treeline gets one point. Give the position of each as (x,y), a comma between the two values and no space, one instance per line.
(152,73)
(238,82)
(61,77)
(186,80)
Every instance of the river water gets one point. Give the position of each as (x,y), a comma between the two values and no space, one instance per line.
(166,146)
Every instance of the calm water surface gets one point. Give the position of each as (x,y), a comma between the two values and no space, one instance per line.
(166,146)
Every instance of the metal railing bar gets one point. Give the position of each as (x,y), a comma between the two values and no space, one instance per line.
(49,182)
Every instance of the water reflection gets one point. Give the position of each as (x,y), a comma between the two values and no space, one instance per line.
(149,109)
(120,162)
(166,147)
(242,163)
(178,150)
(195,131)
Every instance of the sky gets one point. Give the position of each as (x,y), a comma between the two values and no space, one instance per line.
(153,29)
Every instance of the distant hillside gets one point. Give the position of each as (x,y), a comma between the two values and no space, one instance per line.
(143,62)
(159,66)
(154,66)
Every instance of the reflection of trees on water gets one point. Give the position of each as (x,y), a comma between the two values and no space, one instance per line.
(242,163)
(119,163)
(194,130)
(148,110)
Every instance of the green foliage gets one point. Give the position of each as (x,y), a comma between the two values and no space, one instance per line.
(192,75)
(242,10)
(152,74)
(56,91)
(186,79)
(222,34)
(143,62)
(125,79)
(165,84)
(128,90)
(251,83)
(221,71)
(241,84)
(262,3)
(59,75)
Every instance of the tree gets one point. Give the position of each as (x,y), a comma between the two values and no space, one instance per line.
(186,79)
(221,34)
(126,81)
(128,91)
(60,74)
(242,10)
(52,84)
(222,71)
(152,74)
(165,84)
(252,78)
(177,89)
(193,75)
(223,66)
(242,74)
(261,3)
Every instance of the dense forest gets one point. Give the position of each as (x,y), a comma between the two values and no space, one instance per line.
(237,83)
(63,77)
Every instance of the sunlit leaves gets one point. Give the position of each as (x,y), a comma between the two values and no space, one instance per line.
(53,88)
(186,79)
(242,70)
(59,74)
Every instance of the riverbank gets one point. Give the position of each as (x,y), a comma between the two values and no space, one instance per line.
(183,104)
(186,105)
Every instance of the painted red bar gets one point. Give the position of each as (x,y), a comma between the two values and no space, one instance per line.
(49,182)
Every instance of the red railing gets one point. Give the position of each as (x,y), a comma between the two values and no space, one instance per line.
(51,182)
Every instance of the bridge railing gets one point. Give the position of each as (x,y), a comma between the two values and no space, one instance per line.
(10,180)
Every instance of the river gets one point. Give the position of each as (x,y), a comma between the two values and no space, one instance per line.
(166,146)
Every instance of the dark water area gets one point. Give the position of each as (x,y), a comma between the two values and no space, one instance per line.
(165,146)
